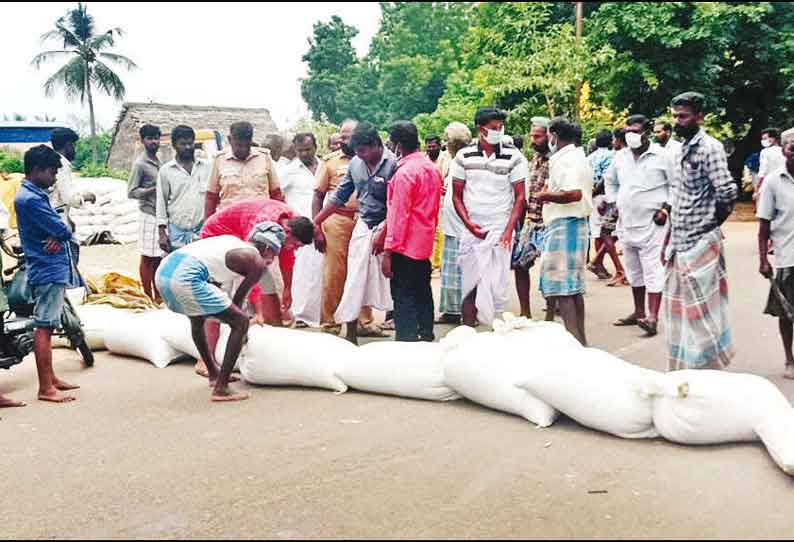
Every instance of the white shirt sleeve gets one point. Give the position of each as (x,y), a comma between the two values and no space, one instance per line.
(763,169)
(611,183)
(5,216)
(456,169)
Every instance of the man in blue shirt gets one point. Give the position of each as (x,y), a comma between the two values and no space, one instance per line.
(51,262)
(368,175)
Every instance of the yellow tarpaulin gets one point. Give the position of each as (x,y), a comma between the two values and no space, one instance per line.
(119,291)
(9,184)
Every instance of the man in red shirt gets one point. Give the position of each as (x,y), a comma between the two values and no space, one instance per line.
(413,199)
(238,219)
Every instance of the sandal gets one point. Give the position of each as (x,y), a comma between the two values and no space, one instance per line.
(789,374)
(619,280)
(628,321)
(650,328)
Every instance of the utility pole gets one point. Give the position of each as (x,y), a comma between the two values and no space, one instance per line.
(579,27)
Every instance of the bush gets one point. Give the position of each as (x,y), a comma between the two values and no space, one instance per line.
(101,170)
(11,163)
(83,151)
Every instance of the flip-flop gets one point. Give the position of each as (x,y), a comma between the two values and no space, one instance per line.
(789,374)
(651,329)
(630,321)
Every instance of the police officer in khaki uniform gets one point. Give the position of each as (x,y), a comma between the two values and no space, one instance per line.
(241,172)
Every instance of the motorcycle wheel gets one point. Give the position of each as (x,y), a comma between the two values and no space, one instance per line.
(86,353)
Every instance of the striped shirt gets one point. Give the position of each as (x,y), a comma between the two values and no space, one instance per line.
(702,188)
(488,195)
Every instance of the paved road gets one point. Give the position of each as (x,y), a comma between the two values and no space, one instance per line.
(143,453)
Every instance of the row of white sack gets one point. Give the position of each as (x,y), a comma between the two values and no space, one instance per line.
(533,370)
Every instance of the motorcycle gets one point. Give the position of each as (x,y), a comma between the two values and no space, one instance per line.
(16,311)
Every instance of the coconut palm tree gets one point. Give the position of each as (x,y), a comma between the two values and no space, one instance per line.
(85,68)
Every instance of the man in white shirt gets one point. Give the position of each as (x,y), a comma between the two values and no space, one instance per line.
(488,183)
(62,194)
(663,135)
(567,206)
(640,184)
(297,185)
(776,219)
(771,159)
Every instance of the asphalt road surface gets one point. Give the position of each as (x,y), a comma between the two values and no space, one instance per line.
(143,453)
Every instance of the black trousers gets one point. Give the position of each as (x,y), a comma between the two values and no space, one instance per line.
(413,299)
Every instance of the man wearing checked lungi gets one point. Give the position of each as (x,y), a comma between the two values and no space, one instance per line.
(696,289)
(567,204)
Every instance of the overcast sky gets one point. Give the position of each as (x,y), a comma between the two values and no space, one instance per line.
(225,54)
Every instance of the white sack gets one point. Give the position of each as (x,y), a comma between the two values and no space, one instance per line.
(98,321)
(307,285)
(288,357)
(486,368)
(413,370)
(141,336)
(598,390)
(131,228)
(713,407)
(777,434)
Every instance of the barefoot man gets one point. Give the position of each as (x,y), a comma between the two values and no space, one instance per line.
(197,281)
(51,256)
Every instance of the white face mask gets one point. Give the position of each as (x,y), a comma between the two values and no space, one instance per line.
(494,137)
(633,140)
(765,143)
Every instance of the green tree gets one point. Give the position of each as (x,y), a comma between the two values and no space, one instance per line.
(87,67)
(330,57)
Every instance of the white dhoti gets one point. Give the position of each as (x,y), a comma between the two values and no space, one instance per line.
(485,266)
(642,249)
(365,286)
(307,285)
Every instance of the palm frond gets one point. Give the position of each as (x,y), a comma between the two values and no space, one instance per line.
(71,77)
(107,81)
(81,23)
(47,56)
(108,39)
(121,60)
(70,39)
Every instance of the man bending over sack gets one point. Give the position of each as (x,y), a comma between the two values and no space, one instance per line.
(238,220)
(197,281)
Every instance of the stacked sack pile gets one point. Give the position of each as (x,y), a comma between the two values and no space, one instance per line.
(535,370)
(112,213)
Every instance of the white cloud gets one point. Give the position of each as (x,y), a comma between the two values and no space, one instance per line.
(225,54)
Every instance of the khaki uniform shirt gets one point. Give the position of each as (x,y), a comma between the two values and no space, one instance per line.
(331,174)
(237,180)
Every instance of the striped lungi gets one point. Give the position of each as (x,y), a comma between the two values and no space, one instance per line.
(451,278)
(564,256)
(183,283)
(697,325)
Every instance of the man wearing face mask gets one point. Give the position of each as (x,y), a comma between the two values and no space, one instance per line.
(771,158)
(568,202)
(367,177)
(702,197)
(488,194)
(640,185)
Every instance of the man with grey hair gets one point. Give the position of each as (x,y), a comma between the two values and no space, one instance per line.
(457,136)
(529,242)
(776,219)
